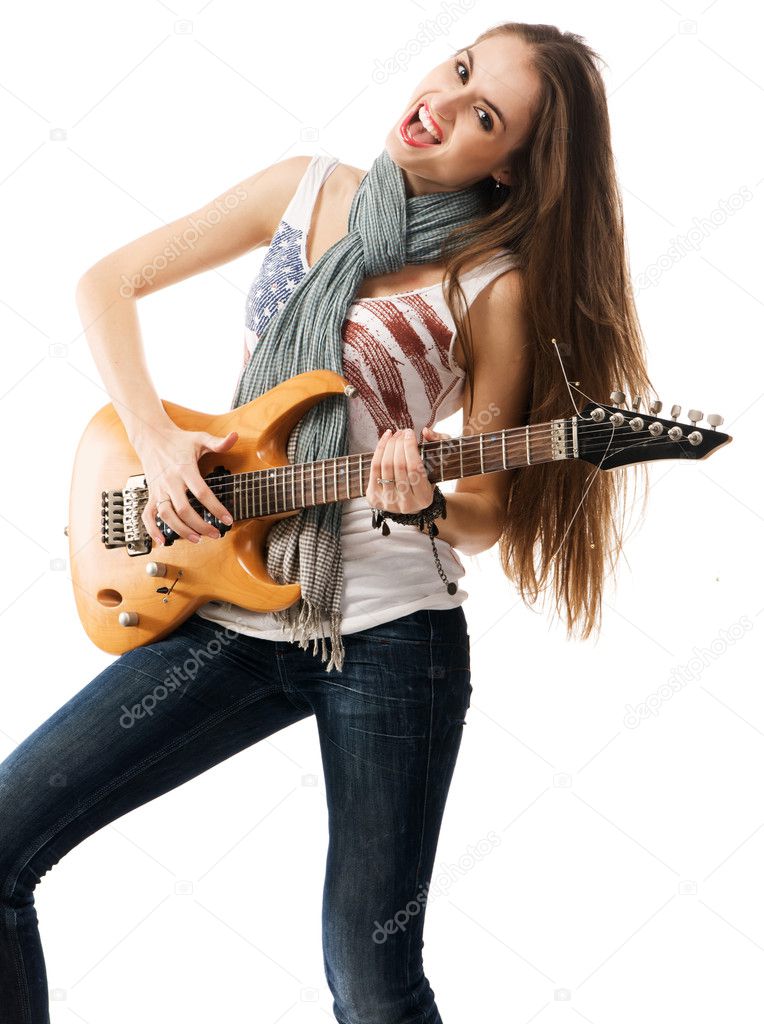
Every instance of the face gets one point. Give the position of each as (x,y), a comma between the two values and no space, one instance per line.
(480,105)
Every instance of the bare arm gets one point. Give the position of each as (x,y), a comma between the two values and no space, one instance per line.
(239,219)
(502,380)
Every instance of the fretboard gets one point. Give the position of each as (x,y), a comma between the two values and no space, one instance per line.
(266,492)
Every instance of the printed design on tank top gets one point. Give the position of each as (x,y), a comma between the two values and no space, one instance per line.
(280,272)
(371,365)
(438,331)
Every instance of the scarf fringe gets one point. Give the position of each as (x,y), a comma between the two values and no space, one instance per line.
(304,617)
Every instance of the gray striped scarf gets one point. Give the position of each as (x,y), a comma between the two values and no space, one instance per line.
(385,231)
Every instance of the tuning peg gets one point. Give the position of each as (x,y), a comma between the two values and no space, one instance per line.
(617,397)
(655,407)
(693,415)
(636,403)
(715,420)
(675,410)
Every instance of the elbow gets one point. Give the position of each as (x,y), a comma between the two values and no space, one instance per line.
(100,280)
(476,545)
(87,283)
(496,527)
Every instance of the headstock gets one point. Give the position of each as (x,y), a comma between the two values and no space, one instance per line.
(611,436)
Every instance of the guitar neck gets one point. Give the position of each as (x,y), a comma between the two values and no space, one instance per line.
(291,487)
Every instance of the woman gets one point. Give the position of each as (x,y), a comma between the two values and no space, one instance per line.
(498,179)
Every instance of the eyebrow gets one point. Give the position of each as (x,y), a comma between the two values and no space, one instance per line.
(488,103)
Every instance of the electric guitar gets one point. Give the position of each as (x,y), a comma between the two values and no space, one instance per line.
(126,597)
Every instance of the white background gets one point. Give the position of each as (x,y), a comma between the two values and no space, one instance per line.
(626,881)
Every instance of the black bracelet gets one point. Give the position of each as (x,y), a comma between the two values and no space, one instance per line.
(424,517)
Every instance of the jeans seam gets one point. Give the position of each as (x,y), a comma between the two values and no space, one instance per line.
(21,974)
(424,810)
(287,689)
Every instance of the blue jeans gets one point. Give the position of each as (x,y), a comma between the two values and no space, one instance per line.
(389,727)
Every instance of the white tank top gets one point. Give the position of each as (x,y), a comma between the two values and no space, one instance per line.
(398,353)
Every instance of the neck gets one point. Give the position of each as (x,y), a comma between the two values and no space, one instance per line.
(291,487)
(415,185)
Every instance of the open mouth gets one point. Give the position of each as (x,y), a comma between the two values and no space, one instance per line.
(419,129)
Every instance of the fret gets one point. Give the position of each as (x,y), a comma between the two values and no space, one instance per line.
(246,502)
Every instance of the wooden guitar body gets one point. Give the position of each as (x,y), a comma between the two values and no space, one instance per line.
(109,581)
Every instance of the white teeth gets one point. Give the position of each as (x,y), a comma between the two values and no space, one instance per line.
(427,121)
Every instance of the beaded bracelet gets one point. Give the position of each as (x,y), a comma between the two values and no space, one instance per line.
(425,516)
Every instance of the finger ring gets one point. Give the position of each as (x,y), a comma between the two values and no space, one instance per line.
(163,500)
(381,481)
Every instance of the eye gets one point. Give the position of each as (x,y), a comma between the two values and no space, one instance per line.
(487,122)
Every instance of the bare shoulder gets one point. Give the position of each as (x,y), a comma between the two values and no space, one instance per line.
(502,378)
(497,321)
(275,185)
(345,180)
(499,318)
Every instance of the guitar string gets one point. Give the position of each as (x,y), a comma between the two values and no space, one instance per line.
(468,458)
(467,445)
(226,486)
(273,485)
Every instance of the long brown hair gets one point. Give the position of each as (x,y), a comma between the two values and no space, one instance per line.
(563,217)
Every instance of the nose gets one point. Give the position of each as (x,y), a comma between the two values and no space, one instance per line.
(442,107)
